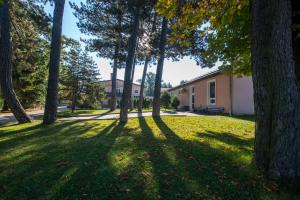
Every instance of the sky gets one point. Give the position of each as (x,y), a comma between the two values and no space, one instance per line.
(173,72)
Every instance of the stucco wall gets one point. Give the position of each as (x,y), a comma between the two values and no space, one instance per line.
(222,92)
(242,95)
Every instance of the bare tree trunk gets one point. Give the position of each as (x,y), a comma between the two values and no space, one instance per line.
(159,70)
(132,76)
(128,70)
(113,101)
(276,96)
(50,114)
(6,67)
(5,106)
(141,97)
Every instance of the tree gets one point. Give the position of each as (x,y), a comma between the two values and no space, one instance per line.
(129,64)
(6,66)
(159,70)
(276,94)
(277,107)
(109,36)
(50,113)
(150,52)
(182,82)
(166,99)
(79,80)
(175,103)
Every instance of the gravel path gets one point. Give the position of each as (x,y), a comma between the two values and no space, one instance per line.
(6,118)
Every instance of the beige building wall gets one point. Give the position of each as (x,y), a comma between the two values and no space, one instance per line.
(222,92)
(242,96)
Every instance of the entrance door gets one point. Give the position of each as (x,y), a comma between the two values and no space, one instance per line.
(192,98)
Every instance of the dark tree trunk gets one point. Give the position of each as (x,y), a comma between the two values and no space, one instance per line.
(113,101)
(5,106)
(141,97)
(296,39)
(132,76)
(128,70)
(276,96)
(6,67)
(74,100)
(50,114)
(159,70)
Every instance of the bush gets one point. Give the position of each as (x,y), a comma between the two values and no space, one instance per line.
(175,103)
(166,100)
(147,103)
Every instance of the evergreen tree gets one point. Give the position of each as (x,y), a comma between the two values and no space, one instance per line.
(109,36)
(6,65)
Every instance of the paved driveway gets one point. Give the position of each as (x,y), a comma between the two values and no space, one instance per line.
(130,115)
(9,117)
(5,118)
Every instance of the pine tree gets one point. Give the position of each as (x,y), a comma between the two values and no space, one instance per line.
(50,113)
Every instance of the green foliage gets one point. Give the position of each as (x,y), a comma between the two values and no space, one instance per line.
(79,82)
(213,30)
(147,103)
(175,102)
(30,52)
(165,99)
(150,83)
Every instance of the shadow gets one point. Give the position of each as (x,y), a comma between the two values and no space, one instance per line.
(250,118)
(227,138)
(146,158)
(53,159)
(81,113)
(213,170)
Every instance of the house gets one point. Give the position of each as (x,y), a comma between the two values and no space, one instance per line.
(215,90)
(120,85)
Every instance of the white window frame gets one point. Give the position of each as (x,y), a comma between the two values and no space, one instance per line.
(208,93)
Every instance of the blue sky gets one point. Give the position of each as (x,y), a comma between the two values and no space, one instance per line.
(174,72)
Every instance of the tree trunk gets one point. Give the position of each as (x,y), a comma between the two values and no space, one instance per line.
(128,70)
(159,70)
(132,76)
(74,100)
(5,107)
(113,100)
(141,97)
(6,67)
(276,95)
(50,114)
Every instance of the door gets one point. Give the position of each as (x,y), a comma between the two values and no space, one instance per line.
(192,98)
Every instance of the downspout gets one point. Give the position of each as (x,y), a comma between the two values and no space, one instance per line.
(230,94)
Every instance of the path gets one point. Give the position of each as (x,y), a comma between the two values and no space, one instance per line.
(9,117)
(5,118)
(130,115)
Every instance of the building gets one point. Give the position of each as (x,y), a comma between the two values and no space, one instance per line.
(216,90)
(120,85)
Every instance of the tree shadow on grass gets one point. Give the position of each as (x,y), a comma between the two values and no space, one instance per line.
(55,160)
(216,171)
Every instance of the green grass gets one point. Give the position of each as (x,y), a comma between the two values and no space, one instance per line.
(163,158)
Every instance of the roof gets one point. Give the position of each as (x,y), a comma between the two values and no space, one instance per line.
(199,78)
(122,81)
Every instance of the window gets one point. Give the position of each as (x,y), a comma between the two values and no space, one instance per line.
(118,91)
(211,92)
(136,91)
(193,90)
(179,91)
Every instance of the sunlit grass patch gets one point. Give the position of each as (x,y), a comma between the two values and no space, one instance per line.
(207,157)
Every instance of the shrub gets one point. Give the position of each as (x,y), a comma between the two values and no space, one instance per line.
(175,103)
(166,99)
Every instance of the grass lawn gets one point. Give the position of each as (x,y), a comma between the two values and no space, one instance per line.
(203,157)
(78,113)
